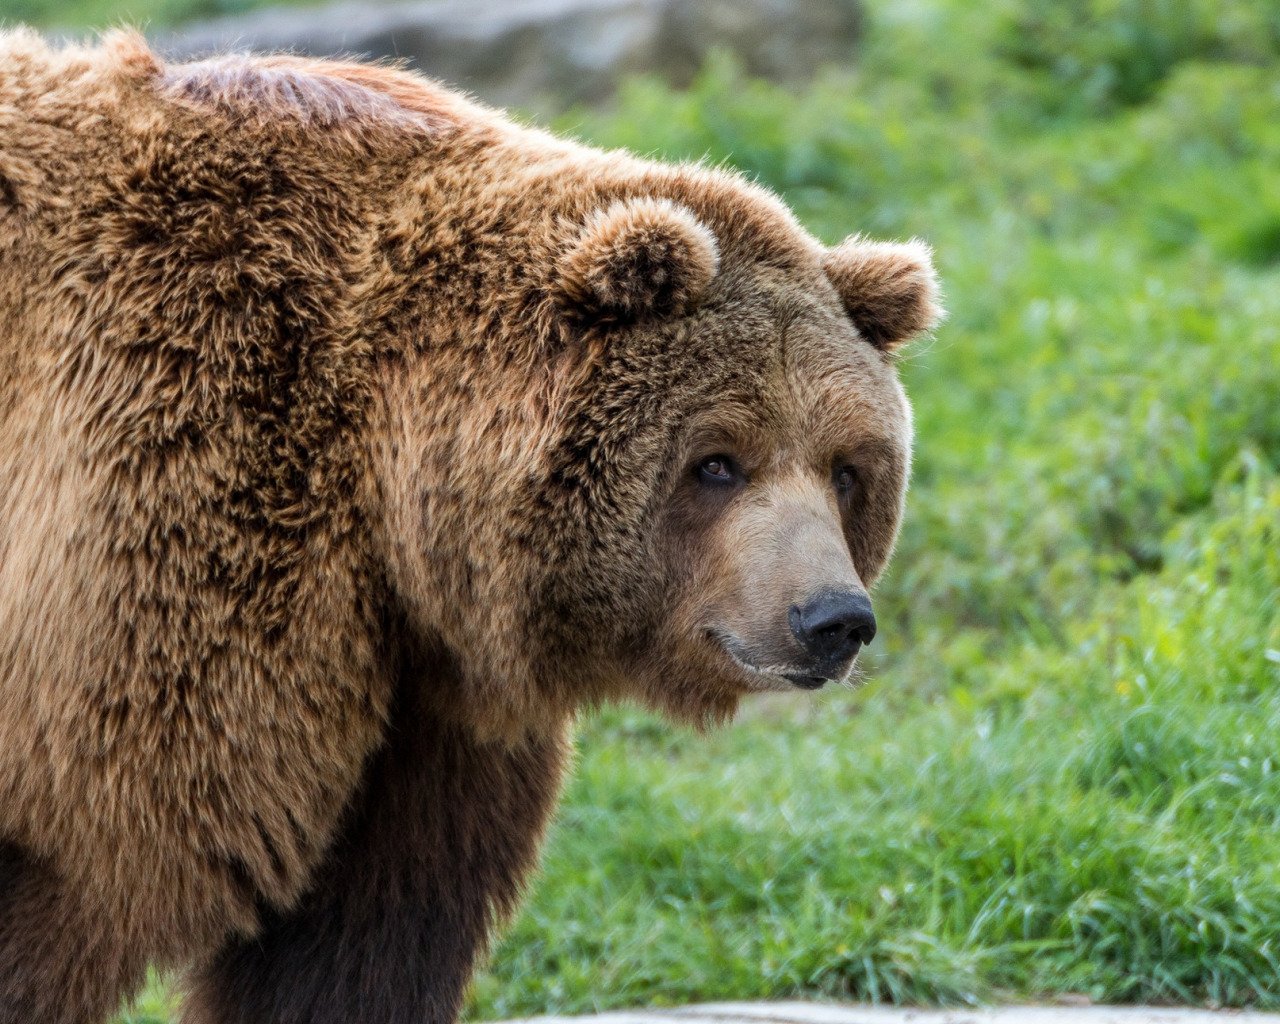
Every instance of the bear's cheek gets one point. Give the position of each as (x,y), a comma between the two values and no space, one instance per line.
(721,606)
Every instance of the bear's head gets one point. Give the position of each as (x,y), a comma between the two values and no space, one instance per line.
(740,448)
(704,472)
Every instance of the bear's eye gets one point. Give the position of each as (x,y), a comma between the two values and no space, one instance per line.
(846,479)
(717,470)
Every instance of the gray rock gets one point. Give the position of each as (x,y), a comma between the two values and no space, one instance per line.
(541,54)
(820,1013)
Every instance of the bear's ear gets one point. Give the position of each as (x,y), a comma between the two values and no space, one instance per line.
(638,258)
(889,289)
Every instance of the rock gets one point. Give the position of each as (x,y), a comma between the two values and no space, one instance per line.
(541,54)
(834,1013)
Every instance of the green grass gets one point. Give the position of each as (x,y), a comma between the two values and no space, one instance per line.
(1065,775)
(1096,815)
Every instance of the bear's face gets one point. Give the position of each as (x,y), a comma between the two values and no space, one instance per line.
(747,425)
(785,509)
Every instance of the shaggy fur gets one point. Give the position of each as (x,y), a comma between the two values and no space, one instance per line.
(349,442)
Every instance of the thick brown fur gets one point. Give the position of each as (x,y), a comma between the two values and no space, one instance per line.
(344,441)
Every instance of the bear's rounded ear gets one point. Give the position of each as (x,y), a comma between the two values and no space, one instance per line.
(889,289)
(638,258)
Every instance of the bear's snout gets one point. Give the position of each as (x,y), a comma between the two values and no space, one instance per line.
(831,627)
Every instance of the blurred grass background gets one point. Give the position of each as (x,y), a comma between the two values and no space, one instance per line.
(1065,774)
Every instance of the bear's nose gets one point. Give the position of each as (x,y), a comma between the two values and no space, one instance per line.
(832,626)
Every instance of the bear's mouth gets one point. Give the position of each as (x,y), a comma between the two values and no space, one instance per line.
(773,677)
(806,682)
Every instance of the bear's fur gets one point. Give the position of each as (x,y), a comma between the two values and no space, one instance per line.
(351,438)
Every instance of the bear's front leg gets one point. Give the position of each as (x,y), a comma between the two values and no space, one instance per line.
(433,854)
(63,958)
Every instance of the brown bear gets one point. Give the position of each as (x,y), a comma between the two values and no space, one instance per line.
(353,437)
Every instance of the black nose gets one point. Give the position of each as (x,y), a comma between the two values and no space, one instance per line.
(833,625)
